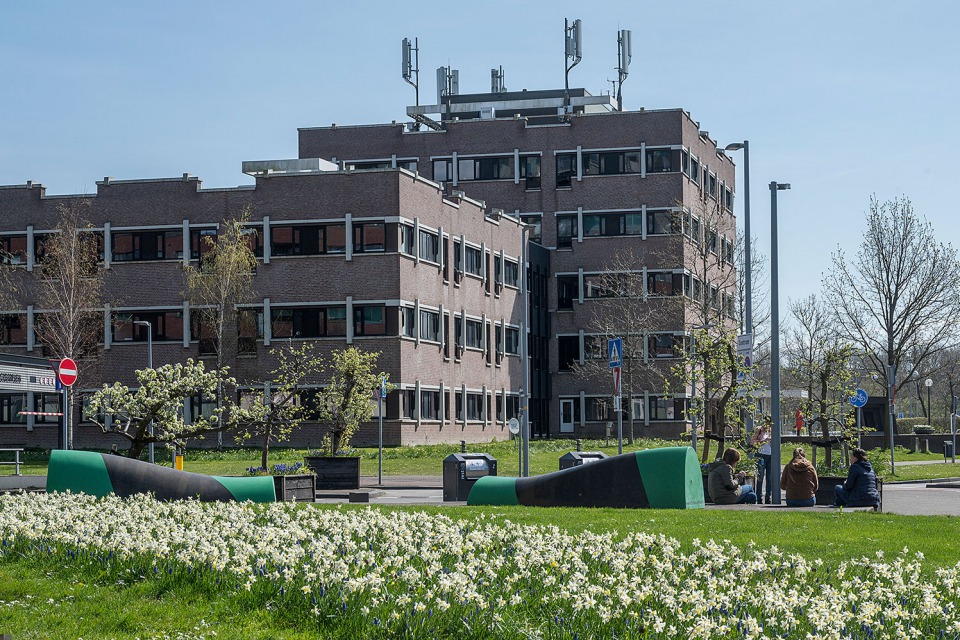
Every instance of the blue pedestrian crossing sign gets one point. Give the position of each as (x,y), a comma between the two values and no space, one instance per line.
(615,352)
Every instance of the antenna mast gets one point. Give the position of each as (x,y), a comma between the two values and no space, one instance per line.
(448,84)
(410,58)
(624,54)
(573,49)
(496,81)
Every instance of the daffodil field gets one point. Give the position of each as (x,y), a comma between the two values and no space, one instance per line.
(407,574)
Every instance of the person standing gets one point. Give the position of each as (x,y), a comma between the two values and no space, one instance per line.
(798,418)
(799,480)
(860,488)
(724,486)
(761,440)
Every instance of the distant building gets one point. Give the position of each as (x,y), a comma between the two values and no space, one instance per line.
(406,239)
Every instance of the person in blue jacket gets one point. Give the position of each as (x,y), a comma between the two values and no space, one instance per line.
(860,488)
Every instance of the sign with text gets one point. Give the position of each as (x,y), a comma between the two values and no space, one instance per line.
(14,378)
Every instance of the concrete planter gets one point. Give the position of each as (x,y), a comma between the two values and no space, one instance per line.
(335,472)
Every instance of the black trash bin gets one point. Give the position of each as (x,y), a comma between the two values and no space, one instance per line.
(461,470)
(577,458)
(947,450)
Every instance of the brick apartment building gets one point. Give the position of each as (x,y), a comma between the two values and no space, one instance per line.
(345,257)
(410,246)
(596,182)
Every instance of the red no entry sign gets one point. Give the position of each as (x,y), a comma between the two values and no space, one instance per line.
(67,372)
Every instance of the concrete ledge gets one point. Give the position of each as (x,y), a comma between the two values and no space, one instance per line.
(364,495)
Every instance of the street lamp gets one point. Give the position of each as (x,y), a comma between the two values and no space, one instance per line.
(693,380)
(149,327)
(929,383)
(775,341)
(747,275)
(524,351)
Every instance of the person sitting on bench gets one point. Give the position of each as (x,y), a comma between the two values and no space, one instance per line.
(860,489)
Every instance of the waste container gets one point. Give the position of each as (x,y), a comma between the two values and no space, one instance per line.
(947,450)
(462,470)
(577,458)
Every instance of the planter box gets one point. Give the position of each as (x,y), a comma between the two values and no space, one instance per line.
(826,495)
(335,472)
(298,488)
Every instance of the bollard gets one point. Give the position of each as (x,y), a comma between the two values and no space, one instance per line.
(579,445)
(463,446)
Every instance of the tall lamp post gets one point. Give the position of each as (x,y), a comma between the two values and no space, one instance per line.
(525,352)
(775,341)
(747,265)
(149,327)
(929,383)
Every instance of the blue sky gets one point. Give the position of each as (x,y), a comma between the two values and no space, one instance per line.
(841,99)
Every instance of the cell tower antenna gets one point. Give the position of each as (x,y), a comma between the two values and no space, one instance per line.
(410,58)
(624,53)
(448,84)
(496,81)
(573,50)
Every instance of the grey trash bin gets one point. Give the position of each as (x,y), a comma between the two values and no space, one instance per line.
(462,470)
(577,458)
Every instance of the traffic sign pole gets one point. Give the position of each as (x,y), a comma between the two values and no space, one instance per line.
(615,361)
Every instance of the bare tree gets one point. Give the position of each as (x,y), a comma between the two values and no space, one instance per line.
(621,308)
(222,280)
(69,286)
(819,360)
(897,298)
(711,309)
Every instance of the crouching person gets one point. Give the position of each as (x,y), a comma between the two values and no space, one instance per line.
(860,489)
(724,486)
(799,480)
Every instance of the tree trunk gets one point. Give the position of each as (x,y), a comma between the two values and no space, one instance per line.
(265,448)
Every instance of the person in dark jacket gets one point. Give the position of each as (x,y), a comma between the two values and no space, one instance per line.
(724,486)
(860,489)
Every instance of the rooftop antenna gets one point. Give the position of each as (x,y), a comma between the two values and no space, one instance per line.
(411,64)
(573,50)
(624,54)
(448,84)
(496,81)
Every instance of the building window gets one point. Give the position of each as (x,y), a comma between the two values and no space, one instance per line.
(663,160)
(429,326)
(665,283)
(474,406)
(308,240)
(568,351)
(202,242)
(11,404)
(407,322)
(598,286)
(409,403)
(47,403)
(13,249)
(368,237)
(666,408)
(429,246)
(566,231)
(87,414)
(664,345)
(407,240)
(430,405)
(566,168)
(595,348)
(202,407)
(662,223)
(473,261)
(596,410)
(512,344)
(164,325)
(535,234)
(147,245)
(309,323)
(530,171)
(249,330)
(610,163)
(568,290)
(13,329)
(511,273)
(368,321)
(474,334)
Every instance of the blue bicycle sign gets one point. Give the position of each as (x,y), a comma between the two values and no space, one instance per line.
(859,399)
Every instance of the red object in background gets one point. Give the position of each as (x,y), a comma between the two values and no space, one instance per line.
(67,372)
